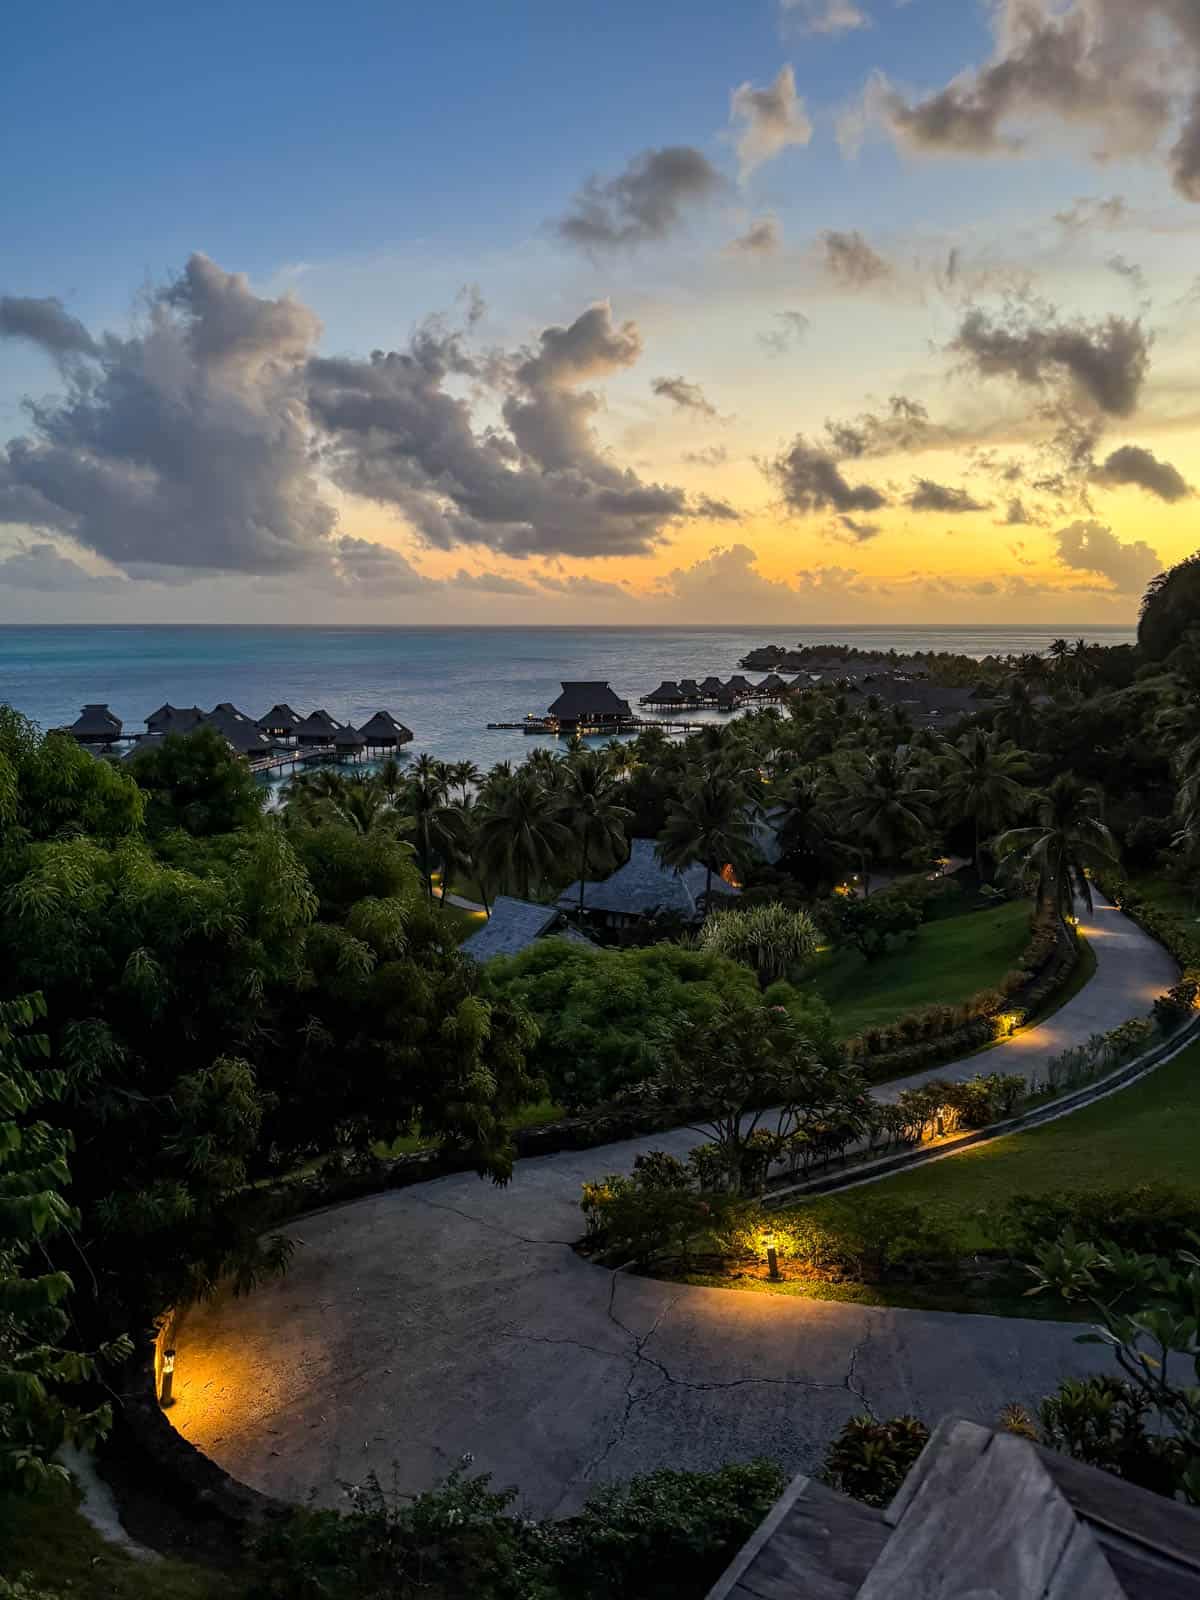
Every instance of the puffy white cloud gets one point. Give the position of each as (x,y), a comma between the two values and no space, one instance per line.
(1091,547)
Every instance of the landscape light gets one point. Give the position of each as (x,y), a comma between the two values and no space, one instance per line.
(166,1397)
(772,1256)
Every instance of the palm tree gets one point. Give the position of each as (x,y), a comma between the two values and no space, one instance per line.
(710,821)
(1059,653)
(425,800)
(364,807)
(465,776)
(982,779)
(1016,715)
(1067,838)
(619,757)
(805,827)
(391,777)
(518,834)
(887,807)
(590,809)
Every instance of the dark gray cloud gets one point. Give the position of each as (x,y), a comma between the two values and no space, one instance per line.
(394,434)
(809,479)
(855,531)
(851,262)
(762,238)
(1131,464)
(772,119)
(930,496)
(903,427)
(586,588)
(1105,362)
(372,568)
(712,510)
(40,565)
(44,322)
(1091,547)
(1018,514)
(793,325)
(646,201)
(686,396)
(1093,213)
(185,445)
(1111,69)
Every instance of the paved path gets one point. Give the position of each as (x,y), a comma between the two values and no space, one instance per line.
(454,1317)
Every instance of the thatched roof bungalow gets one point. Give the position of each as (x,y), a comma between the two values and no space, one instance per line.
(711,688)
(643,888)
(668,693)
(383,731)
(347,741)
(771,684)
(280,722)
(238,730)
(690,688)
(739,685)
(315,729)
(514,925)
(589,705)
(174,719)
(96,724)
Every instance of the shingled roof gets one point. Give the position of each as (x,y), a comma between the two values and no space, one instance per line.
(513,926)
(384,728)
(582,700)
(644,887)
(96,724)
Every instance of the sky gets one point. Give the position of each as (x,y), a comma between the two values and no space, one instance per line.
(837,311)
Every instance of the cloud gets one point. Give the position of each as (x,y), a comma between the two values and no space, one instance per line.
(373,568)
(1129,270)
(713,455)
(46,323)
(903,427)
(1106,362)
(762,238)
(646,201)
(1133,465)
(1092,213)
(714,510)
(185,445)
(1108,69)
(851,262)
(40,565)
(772,120)
(779,341)
(930,496)
(724,583)
(393,433)
(1091,547)
(826,16)
(809,480)
(585,588)
(490,583)
(855,531)
(1018,514)
(683,395)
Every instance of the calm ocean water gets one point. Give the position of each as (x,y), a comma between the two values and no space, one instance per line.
(447,684)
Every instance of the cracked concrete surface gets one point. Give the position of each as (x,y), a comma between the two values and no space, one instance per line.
(452,1318)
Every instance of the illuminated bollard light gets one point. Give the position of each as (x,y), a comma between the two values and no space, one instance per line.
(772,1256)
(166,1396)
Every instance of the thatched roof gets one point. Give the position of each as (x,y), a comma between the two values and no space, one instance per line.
(319,725)
(513,926)
(349,738)
(280,719)
(174,719)
(644,887)
(96,724)
(238,731)
(710,687)
(739,685)
(581,701)
(668,693)
(384,728)
(689,686)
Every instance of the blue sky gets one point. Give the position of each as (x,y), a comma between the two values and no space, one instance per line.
(370,160)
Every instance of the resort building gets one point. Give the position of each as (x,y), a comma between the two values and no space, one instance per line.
(645,888)
(711,689)
(349,743)
(96,724)
(772,684)
(384,732)
(514,925)
(739,685)
(280,722)
(589,707)
(316,729)
(174,719)
(238,730)
(690,688)
(668,693)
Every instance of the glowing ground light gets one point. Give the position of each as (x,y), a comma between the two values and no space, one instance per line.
(772,1256)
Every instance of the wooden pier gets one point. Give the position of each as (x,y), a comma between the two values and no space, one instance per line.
(542,726)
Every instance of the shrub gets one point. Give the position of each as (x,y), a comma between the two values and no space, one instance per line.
(864,1238)
(1155,1217)
(656,1212)
(1103,1421)
(869,1460)
(1177,1006)
(770,939)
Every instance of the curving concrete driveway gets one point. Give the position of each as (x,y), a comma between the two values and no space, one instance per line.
(454,1318)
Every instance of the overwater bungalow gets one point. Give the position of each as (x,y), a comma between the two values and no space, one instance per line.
(349,743)
(174,719)
(739,685)
(690,688)
(315,729)
(96,724)
(383,731)
(645,888)
(711,689)
(668,693)
(771,684)
(280,722)
(514,925)
(238,730)
(589,705)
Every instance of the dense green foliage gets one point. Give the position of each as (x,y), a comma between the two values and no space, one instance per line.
(869,1459)
(190,783)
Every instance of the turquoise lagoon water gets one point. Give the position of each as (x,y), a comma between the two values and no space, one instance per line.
(447,684)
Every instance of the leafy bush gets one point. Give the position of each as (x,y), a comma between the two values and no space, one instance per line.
(1103,1421)
(1177,1006)
(657,1211)
(662,1536)
(870,925)
(1156,1217)
(769,939)
(869,1460)
(862,1237)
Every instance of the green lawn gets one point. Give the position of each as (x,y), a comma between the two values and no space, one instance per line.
(1147,1133)
(64,1555)
(947,962)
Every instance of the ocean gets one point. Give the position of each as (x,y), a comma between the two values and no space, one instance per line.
(446,684)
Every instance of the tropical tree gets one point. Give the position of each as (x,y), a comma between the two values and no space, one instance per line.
(1171,606)
(435,822)
(591,811)
(888,806)
(709,823)
(465,776)
(1067,839)
(391,778)
(807,834)
(518,833)
(772,940)
(982,779)
(195,781)
(35,1420)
